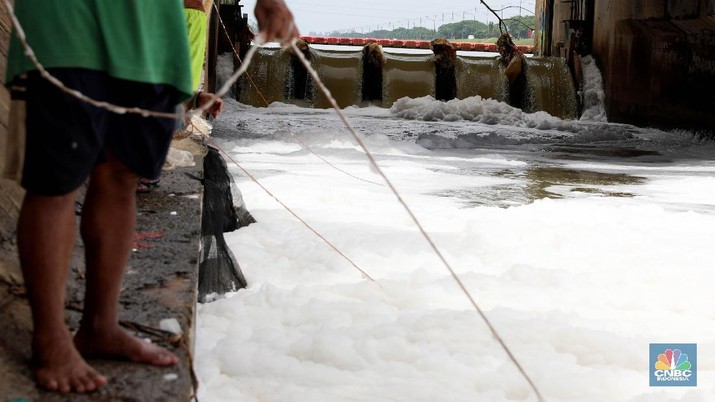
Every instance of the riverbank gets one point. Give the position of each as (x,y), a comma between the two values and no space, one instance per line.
(160,284)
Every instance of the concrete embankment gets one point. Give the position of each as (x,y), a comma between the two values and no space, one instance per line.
(160,283)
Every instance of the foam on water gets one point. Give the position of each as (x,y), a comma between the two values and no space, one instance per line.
(581,253)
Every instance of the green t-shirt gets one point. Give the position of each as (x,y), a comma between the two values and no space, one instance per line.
(139,40)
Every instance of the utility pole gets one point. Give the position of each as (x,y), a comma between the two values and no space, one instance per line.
(434,24)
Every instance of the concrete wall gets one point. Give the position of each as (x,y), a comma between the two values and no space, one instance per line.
(658,61)
(657,58)
(561,14)
(10,193)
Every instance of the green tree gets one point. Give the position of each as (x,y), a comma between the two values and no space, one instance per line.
(462,29)
(381,34)
(520,26)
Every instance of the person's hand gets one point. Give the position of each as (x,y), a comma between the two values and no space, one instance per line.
(215,109)
(275,20)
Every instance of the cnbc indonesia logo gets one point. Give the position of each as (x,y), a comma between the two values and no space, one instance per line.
(673,365)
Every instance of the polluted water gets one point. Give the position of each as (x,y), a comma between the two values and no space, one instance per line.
(583,241)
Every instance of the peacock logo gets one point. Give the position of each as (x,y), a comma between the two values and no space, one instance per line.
(672,359)
(673,365)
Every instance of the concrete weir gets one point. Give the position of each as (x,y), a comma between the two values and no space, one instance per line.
(355,77)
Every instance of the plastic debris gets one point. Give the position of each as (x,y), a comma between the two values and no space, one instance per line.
(170,325)
(171,377)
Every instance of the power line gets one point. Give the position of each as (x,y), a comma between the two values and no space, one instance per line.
(377,15)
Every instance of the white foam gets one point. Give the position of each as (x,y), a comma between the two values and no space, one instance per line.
(577,286)
(593,95)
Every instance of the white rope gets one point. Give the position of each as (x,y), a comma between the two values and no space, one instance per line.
(235,53)
(301,142)
(29,52)
(427,237)
(330,164)
(146,113)
(255,180)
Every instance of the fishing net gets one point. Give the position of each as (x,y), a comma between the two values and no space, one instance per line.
(222,212)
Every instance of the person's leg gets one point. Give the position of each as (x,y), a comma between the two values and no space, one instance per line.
(107,228)
(59,155)
(46,240)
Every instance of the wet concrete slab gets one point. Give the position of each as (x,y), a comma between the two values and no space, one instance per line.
(160,283)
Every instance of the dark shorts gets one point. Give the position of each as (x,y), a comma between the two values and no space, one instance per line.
(67,138)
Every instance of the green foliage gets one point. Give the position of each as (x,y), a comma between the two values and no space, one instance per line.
(462,30)
(525,41)
(518,28)
(399,33)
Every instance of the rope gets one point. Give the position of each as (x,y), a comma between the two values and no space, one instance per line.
(121,110)
(233,48)
(427,237)
(501,22)
(265,102)
(330,164)
(255,180)
(226,87)
(30,53)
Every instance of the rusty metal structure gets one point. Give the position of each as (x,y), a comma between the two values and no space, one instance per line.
(234,33)
(657,57)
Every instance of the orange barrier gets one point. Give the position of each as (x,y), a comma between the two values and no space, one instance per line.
(467,46)
(410,44)
(525,48)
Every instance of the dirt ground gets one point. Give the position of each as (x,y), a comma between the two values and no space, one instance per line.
(160,283)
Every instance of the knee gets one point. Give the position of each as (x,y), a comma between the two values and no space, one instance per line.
(116,175)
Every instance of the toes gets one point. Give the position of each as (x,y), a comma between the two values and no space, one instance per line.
(64,379)
(92,381)
(80,385)
(64,386)
(97,381)
(165,359)
(50,385)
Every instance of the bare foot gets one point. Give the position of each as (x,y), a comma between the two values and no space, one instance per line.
(118,344)
(58,366)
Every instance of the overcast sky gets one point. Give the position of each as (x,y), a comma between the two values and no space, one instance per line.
(322,16)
